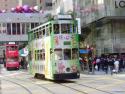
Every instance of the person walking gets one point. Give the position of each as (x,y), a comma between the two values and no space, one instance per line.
(116,66)
(98,63)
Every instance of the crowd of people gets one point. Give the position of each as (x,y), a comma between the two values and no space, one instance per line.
(106,63)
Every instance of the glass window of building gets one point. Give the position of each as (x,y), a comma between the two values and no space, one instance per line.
(27,28)
(23,28)
(18,28)
(9,28)
(14,28)
(4,28)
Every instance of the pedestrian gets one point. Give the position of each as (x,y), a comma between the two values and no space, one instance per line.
(116,66)
(22,63)
(98,63)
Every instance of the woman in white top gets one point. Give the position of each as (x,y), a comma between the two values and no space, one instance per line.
(116,65)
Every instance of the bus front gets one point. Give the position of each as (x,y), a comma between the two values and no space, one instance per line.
(12,56)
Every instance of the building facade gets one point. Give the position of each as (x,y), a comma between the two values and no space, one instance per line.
(62,6)
(8,4)
(103,25)
(44,4)
(14,26)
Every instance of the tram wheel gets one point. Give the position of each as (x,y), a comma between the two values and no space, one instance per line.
(39,76)
(8,69)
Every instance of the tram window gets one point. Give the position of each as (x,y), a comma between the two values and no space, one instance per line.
(67,54)
(47,31)
(58,54)
(34,35)
(50,29)
(38,55)
(37,34)
(56,28)
(40,34)
(74,53)
(74,29)
(65,28)
(43,56)
(43,32)
(35,55)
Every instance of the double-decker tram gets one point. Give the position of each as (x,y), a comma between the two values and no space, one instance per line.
(12,56)
(54,50)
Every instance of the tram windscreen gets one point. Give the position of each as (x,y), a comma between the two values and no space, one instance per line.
(56,28)
(67,54)
(58,54)
(11,48)
(66,28)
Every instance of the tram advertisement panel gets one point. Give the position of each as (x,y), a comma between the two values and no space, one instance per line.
(66,41)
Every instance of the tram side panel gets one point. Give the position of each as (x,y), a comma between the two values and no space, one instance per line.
(48,61)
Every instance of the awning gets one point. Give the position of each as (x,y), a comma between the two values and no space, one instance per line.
(23,52)
(83,51)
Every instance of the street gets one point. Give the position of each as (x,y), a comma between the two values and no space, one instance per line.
(21,82)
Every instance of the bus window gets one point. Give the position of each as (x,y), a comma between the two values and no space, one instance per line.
(67,54)
(74,53)
(58,54)
(56,28)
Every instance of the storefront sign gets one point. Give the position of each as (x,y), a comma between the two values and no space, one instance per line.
(120,4)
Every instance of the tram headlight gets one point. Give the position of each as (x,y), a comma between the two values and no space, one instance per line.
(68,69)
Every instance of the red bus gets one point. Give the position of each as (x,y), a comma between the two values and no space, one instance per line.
(12,56)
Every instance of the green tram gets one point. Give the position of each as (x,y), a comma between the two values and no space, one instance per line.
(54,50)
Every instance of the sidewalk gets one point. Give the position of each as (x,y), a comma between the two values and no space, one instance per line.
(100,72)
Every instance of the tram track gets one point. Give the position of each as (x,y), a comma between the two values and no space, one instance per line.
(84,86)
(26,89)
(62,83)
(43,86)
(30,83)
